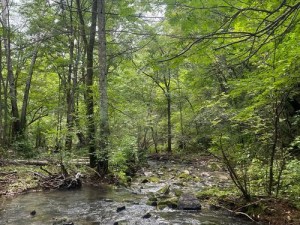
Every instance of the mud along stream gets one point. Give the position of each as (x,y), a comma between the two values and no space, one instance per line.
(107,205)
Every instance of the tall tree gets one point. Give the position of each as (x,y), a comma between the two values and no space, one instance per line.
(16,126)
(102,60)
(89,49)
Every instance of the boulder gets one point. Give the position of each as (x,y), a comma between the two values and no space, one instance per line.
(189,201)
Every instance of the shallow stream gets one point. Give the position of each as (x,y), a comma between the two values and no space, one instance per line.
(98,205)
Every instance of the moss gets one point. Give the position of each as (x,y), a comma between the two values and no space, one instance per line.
(170,202)
(164,190)
(197,179)
(177,192)
(154,179)
(185,176)
(213,192)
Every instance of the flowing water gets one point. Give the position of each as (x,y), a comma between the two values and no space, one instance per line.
(98,205)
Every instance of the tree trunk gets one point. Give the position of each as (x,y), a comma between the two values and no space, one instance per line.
(104,125)
(26,92)
(89,47)
(70,84)
(273,149)
(167,81)
(1,102)
(169,150)
(10,75)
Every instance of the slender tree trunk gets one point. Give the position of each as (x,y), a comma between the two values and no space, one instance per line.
(10,75)
(167,81)
(104,125)
(70,84)
(1,102)
(169,124)
(26,92)
(273,149)
(5,136)
(80,58)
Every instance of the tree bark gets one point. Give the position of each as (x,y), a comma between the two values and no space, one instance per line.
(89,46)
(1,102)
(70,84)
(10,74)
(104,124)
(167,81)
(26,92)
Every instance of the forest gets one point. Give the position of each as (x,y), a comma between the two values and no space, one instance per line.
(117,82)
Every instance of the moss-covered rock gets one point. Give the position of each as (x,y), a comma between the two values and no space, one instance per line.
(168,202)
(165,190)
(185,175)
(154,179)
(177,192)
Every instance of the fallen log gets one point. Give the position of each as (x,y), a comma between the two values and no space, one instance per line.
(39,162)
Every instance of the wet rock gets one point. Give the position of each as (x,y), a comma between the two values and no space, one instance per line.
(33,213)
(185,175)
(164,190)
(188,201)
(168,202)
(177,192)
(152,200)
(148,174)
(145,181)
(151,203)
(154,179)
(146,216)
(121,208)
(186,172)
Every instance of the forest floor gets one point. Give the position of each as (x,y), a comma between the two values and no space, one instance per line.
(188,173)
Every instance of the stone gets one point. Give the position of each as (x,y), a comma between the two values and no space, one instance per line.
(121,208)
(151,203)
(177,192)
(189,201)
(145,181)
(170,202)
(164,190)
(146,216)
(148,174)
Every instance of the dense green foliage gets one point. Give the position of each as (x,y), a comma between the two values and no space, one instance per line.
(218,77)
